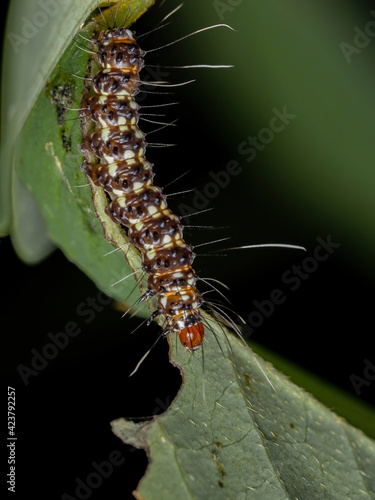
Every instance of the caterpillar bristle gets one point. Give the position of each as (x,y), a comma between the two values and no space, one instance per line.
(115,161)
(114,148)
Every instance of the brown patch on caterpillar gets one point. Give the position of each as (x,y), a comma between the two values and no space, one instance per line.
(112,233)
(114,149)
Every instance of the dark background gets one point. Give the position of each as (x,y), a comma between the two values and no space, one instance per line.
(63,414)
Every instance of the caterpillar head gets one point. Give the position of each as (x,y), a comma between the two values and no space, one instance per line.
(192,337)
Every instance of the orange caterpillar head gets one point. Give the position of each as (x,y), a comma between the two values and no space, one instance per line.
(192,337)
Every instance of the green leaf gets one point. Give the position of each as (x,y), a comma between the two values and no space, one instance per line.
(35,40)
(245,439)
(352,408)
(40,152)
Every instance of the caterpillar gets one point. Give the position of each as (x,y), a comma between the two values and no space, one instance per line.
(115,160)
